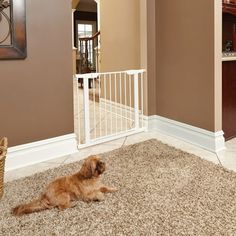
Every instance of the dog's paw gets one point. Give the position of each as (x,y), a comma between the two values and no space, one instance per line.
(100,197)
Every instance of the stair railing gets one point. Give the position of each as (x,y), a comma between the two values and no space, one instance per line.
(87,54)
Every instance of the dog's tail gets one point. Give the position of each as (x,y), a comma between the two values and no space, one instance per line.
(34,206)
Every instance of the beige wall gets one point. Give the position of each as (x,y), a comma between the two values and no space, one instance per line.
(188,87)
(36,97)
(123,42)
(120,35)
(129,42)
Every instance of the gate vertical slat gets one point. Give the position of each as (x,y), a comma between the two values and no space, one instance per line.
(136,102)
(86,110)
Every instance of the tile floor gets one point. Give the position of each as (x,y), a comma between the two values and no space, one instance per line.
(226,158)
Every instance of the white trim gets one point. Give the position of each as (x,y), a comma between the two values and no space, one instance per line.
(218,64)
(233,58)
(211,141)
(98,16)
(44,150)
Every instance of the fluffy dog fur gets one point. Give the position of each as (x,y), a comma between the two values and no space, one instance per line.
(61,193)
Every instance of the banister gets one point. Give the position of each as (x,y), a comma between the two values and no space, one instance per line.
(87,52)
(90,38)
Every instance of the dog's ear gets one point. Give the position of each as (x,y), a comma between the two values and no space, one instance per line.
(88,169)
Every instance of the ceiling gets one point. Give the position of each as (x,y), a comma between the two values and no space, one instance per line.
(87,1)
(87,5)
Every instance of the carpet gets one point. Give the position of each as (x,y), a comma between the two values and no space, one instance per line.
(162,191)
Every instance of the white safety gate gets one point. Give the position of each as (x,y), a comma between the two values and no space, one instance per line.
(109,106)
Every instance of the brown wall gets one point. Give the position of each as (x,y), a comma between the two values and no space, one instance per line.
(151,57)
(120,35)
(36,96)
(185,62)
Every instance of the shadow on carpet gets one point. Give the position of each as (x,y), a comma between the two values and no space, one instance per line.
(162,191)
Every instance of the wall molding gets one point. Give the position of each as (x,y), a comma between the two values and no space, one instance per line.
(211,141)
(40,151)
(49,149)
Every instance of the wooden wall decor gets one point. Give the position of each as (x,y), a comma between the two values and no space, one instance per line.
(12,29)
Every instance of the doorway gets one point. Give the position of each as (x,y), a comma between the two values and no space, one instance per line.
(86,36)
(107,105)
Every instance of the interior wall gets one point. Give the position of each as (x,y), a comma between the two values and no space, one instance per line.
(120,35)
(187,88)
(37,93)
(142,54)
(151,56)
(218,25)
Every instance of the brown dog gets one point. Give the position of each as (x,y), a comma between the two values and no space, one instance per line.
(84,185)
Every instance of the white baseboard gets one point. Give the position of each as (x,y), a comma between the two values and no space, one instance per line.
(211,141)
(36,152)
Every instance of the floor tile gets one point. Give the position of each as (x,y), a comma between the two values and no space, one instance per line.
(140,137)
(59,160)
(29,170)
(80,155)
(108,146)
(231,145)
(228,158)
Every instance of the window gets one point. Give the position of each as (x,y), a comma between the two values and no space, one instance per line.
(85,30)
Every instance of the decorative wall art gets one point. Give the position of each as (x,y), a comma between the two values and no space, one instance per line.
(12,29)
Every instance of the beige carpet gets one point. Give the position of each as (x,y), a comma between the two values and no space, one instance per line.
(162,191)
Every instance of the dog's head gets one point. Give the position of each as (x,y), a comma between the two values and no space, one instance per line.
(92,167)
